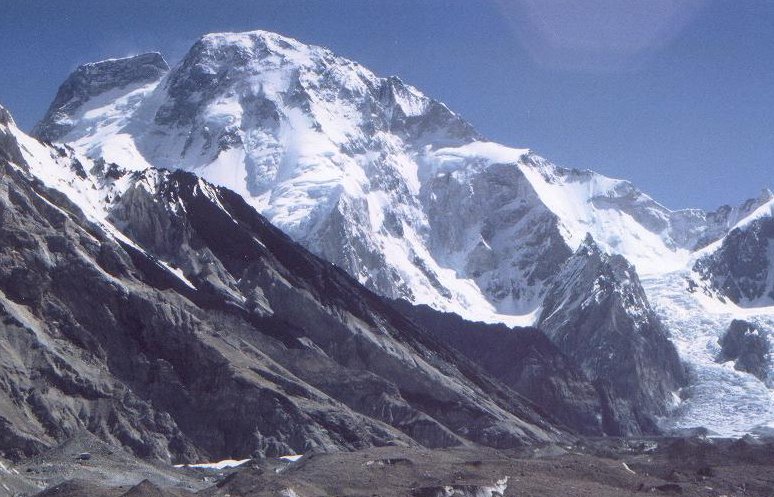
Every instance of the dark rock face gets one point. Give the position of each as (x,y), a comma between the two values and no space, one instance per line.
(55,370)
(748,346)
(90,80)
(740,269)
(436,122)
(9,148)
(295,293)
(258,348)
(525,360)
(597,314)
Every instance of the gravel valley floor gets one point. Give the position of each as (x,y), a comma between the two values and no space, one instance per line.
(592,467)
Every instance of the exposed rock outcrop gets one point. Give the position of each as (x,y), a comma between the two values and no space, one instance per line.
(750,349)
(597,313)
(742,268)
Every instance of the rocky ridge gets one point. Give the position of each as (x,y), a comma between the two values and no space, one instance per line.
(598,314)
(165,315)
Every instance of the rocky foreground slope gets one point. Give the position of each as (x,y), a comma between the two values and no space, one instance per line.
(165,315)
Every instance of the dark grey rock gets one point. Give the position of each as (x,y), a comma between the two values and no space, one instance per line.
(525,360)
(597,313)
(739,270)
(270,351)
(749,347)
(9,148)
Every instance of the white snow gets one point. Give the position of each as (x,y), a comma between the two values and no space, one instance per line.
(226,463)
(490,151)
(726,401)
(764,211)
(7,470)
(177,272)
(571,198)
(292,457)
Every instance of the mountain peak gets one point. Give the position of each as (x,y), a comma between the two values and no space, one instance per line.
(257,36)
(147,59)
(246,48)
(589,248)
(589,242)
(5,116)
(94,79)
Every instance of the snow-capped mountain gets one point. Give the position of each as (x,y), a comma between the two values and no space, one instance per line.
(399,191)
(368,172)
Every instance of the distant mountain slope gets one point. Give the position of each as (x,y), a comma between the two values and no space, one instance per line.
(164,314)
(742,267)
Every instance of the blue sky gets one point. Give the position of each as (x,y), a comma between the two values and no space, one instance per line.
(675,95)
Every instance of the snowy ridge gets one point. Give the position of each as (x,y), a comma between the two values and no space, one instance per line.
(91,185)
(765,210)
(586,202)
